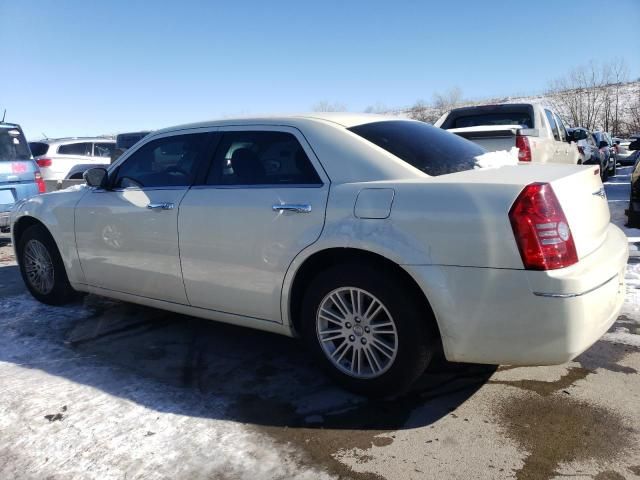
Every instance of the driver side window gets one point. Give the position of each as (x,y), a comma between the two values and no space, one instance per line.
(165,162)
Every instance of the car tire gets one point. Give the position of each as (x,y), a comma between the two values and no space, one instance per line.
(42,268)
(604,173)
(394,345)
(614,170)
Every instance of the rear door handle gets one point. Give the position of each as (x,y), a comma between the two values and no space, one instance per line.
(161,206)
(292,207)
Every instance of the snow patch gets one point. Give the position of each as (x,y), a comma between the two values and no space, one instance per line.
(496,159)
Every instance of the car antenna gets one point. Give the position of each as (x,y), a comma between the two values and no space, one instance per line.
(4,115)
(44,135)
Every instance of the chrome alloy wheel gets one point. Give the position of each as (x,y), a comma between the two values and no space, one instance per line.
(38,266)
(357,333)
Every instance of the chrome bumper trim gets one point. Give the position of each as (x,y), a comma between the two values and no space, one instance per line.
(572,295)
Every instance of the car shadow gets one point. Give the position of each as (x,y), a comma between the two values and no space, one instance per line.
(261,378)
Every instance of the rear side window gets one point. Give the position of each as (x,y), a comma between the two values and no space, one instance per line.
(39,148)
(165,162)
(261,158)
(552,125)
(79,148)
(431,150)
(13,145)
(103,149)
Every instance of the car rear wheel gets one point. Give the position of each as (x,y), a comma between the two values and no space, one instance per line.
(42,269)
(369,333)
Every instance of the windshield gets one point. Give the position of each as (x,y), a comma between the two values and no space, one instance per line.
(13,145)
(431,150)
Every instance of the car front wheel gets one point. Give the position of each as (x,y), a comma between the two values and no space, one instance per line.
(41,267)
(370,333)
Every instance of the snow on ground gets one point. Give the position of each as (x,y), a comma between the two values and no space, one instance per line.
(122,426)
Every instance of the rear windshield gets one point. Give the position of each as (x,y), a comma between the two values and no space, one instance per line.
(510,114)
(38,148)
(514,118)
(128,140)
(13,145)
(429,149)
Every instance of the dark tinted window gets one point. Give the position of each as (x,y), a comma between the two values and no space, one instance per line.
(79,148)
(13,145)
(261,158)
(103,149)
(128,140)
(430,149)
(501,118)
(38,148)
(169,161)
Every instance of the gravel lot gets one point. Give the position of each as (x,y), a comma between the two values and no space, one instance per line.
(109,390)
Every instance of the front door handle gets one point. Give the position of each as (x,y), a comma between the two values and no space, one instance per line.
(161,206)
(292,207)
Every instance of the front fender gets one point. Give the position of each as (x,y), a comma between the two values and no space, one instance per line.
(55,211)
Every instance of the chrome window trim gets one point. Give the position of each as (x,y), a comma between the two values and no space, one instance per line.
(143,189)
(573,295)
(259,186)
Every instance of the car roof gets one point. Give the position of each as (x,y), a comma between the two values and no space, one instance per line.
(74,139)
(344,119)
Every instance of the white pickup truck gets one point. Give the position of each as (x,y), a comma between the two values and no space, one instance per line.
(536,131)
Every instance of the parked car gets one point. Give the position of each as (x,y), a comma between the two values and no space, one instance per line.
(125,141)
(605,144)
(589,152)
(633,212)
(56,157)
(19,175)
(375,239)
(625,155)
(537,132)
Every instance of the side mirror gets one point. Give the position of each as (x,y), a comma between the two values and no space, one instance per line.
(96,177)
(579,135)
(635,145)
(603,144)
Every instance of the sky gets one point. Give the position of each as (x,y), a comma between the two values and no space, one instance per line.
(74,68)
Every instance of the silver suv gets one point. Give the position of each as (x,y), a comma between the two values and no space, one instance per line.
(56,157)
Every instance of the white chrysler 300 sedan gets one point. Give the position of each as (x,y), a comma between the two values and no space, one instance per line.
(377,240)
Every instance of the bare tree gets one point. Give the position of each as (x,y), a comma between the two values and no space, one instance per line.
(326,106)
(379,107)
(420,111)
(589,96)
(443,102)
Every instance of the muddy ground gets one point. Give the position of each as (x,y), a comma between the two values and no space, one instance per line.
(108,390)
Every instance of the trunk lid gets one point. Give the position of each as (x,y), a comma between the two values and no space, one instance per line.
(494,138)
(578,189)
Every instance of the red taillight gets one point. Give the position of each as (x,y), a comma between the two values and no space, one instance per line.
(43,162)
(42,187)
(541,229)
(524,149)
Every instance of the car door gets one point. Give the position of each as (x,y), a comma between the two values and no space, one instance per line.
(262,202)
(127,235)
(569,149)
(67,156)
(556,150)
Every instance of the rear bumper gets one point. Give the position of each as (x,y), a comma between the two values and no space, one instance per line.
(519,317)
